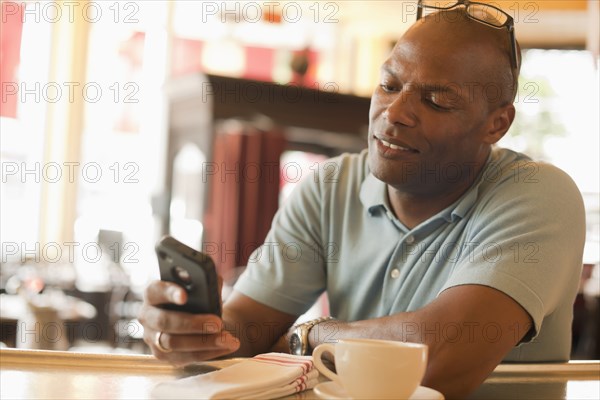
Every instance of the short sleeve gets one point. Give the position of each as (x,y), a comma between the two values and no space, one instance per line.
(286,272)
(526,239)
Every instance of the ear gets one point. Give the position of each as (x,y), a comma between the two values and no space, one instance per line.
(499,121)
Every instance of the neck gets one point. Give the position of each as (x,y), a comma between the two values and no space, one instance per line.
(413,208)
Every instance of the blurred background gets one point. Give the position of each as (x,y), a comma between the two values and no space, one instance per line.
(124,121)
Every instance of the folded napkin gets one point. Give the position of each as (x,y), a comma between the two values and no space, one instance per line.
(266,376)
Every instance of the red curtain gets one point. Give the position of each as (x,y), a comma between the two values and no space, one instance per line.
(243,193)
(11,27)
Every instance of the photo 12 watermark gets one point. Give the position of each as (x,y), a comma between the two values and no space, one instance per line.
(69,172)
(54,92)
(69,11)
(55,252)
(265,92)
(526,12)
(269,172)
(270,11)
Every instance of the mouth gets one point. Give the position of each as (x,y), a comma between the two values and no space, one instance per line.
(387,148)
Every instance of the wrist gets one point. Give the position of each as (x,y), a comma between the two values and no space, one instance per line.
(324,332)
(301,338)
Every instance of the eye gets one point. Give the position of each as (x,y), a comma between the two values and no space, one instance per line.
(388,88)
(432,101)
(435,106)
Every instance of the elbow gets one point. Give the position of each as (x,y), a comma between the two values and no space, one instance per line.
(451,380)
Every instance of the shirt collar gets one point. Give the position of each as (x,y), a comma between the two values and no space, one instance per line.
(462,206)
(373,195)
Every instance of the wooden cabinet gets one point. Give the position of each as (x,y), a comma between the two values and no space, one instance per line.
(317,121)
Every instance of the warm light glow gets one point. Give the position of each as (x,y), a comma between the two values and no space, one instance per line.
(583,390)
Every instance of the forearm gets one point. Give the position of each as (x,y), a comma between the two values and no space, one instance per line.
(446,370)
(462,346)
(254,338)
(258,327)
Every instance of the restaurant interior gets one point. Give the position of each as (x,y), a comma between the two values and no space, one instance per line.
(125,121)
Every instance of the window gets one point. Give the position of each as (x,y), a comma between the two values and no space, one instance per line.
(557,121)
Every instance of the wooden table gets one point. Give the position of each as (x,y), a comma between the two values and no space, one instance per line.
(38,374)
(577,380)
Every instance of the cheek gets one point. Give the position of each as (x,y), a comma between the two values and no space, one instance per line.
(456,144)
(377,107)
(445,136)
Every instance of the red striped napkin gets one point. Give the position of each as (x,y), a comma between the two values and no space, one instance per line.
(266,376)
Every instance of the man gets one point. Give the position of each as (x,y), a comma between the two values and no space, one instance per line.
(432,236)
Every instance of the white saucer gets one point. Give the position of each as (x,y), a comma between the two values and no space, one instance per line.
(331,390)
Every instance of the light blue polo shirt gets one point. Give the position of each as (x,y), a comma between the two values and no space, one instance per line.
(520,229)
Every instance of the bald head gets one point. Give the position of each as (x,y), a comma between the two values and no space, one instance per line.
(481,51)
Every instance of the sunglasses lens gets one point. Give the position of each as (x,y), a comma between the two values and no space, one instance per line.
(487,14)
(441,4)
(484,13)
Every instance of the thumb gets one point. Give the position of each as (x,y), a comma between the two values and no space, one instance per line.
(220,286)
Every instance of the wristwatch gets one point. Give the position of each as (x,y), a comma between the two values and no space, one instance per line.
(298,342)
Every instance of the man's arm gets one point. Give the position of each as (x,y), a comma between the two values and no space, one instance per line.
(469,329)
(257,326)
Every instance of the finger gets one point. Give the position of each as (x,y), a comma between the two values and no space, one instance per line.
(181,358)
(161,292)
(186,343)
(220,285)
(177,322)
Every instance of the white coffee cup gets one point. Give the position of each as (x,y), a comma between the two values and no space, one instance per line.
(374,369)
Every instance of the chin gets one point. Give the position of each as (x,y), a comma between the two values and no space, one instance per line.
(385,173)
(399,175)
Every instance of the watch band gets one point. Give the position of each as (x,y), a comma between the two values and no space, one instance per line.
(299,343)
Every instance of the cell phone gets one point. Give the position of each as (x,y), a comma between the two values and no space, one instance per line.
(192,270)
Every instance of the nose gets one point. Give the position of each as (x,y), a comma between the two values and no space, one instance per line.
(401,110)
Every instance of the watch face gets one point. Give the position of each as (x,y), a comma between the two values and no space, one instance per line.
(295,345)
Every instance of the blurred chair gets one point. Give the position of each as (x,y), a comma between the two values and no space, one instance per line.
(125,331)
(586,316)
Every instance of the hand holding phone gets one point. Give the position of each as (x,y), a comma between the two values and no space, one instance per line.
(192,270)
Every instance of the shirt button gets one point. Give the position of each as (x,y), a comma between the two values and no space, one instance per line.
(395,273)
(410,239)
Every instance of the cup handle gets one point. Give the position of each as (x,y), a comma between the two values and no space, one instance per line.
(318,362)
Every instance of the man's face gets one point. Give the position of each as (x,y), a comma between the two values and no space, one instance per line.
(428,115)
